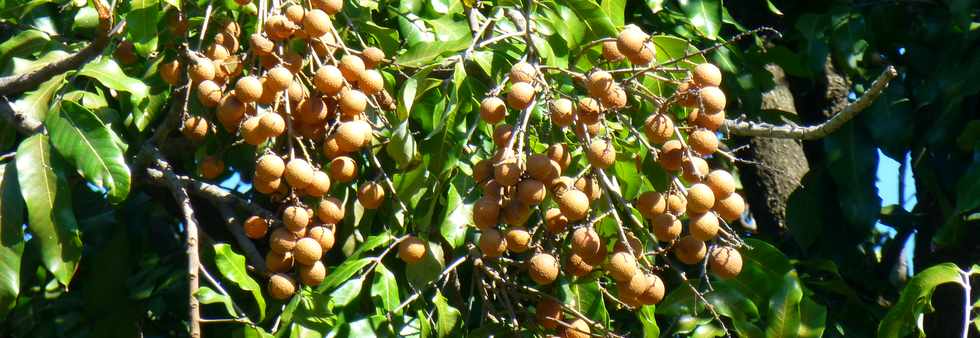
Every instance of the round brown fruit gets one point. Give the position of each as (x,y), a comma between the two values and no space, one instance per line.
(202,70)
(312,112)
(574,204)
(250,131)
(721,182)
(343,169)
(706,75)
(217,53)
(486,212)
(371,82)
(577,329)
(694,169)
(282,240)
(518,239)
(562,112)
(352,102)
(492,110)
(372,56)
(601,154)
(671,155)
(644,57)
(171,72)
(296,218)
(271,125)
(622,266)
(299,173)
(542,168)
(725,262)
(703,142)
(555,221)
(700,199)
(710,121)
(577,266)
(689,250)
(650,204)
(248,89)
(278,262)
(482,171)
(631,41)
(331,7)
(209,93)
(543,269)
(267,186)
(531,192)
(704,226)
(328,80)
(322,235)
(316,23)
(195,128)
(516,213)
(666,227)
(312,275)
(255,227)
(353,135)
(599,83)
(522,72)
(712,99)
(261,45)
(730,208)
(659,128)
(297,92)
(492,243)
(295,13)
(281,286)
(676,203)
(631,289)
(653,293)
(269,166)
(560,153)
(507,171)
(351,66)
(586,243)
(614,98)
(590,186)
(212,167)
(548,312)
(610,51)
(588,111)
(520,95)
(330,210)
(502,134)
(279,78)
(371,195)
(230,109)
(307,251)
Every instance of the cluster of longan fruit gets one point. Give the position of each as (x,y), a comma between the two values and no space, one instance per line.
(294,94)
(514,183)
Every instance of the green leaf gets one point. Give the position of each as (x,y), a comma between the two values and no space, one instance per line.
(141,25)
(853,162)
(916,300)
(772,8)
(596,21)
(51,217)
(704,15)
(232,267)
(36,103)
(372,243)
(784,309)
(11,236)
(343,272)
(763,267)
(205,295)
(402,146)
(24,43)
(456,223)
(385,288)
(109,74)
(448,316)
(648,319)
(584,295)
(86,19)
(615,10)
(425,52)
(347,292)
(91,147)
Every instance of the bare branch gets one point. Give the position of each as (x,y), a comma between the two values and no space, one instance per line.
(209,191)
(745,128)
(26,125)
(234,227)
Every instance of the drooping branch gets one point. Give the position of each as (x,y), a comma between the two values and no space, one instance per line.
(741,127)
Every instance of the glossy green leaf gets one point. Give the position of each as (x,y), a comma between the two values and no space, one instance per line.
(23,43)
(615,10)
(91,147)
(853,162)
(385,288)
(447,317)
(86,20)
(596,20)
(208,296)
(704,15)
(36,103)
(343,272)
(772,8)
(51,218)
(232,267)
(107,72)
(915,300)
(584,295)
(141,25)
(458,218)
(647,316)
(784,309)
(347,292)
(11,236)
(402,147)
(763,269)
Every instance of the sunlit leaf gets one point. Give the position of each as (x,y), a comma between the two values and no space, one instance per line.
(232,267)
(91,147)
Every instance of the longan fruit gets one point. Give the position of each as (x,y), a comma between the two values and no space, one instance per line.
(554,221)
(125,53)
(278,262)
(703,142)
(271,125)
(307,251)
(250,130)
(295,218)
(351,66)
(631,288)
(502,134)
(282,240)
(610,51)
(650,204)
(312,275)
(574,204)
(561,184)
(208,93)
(542,168)
(730,208)
(295,13)
(547,313)
(522,72)
(269,94)
(725,262)
(195,128)
(372,56)
(507,171)
(711,122)
(492,243)
(588,111)
(531,192)
(352,102)
(704,226)
(330,210)
(686,94)
(631,41)
(614,98)
(311,111)
(676,203)
(654,293)
(486,212)
(217,53)
(281,286)
(171,72)
(492,110)
(371,195)
(297,92)
(316,23)
(543,269)
(586,243)
(516,213)
(279,78)
(602,154)
(212,167)
(560,153)
(261,45)
(520,96)
(659,128)
(331,149)
(331,7)
(493,189)
(690,250)
(353,135)
(644,57)
(712,99)
(322,235)
(706,75)
(230,109)
(299,173)
(343,169)
(562,112)
(266,185)
(578,329)
(666,227)
(248,89)
(694,168)
(518,239)
(371,82)
(635,244)
(577,266)
(700,198)
(671,155)
(328,80)
(255,227)
(231,28)
(269,166)
(590,186)
(279,27)
(599,83)
(721,182)
(622,266)
(482,171)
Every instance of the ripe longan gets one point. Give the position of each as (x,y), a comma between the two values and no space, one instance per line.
(230,109)
(296,218)
(599,83)
(371,82)
(725,262)
(516,213)
(261,45)
(666,227)
(352,102)
(542,168)
(712,99)
(316,23)
(486,212)
(281,286)
(248,89)
(295,13)
(721,182)
(266,185)
(578,329)
(588,111)
(704,226)
(622,266)
(278,262)
(331,7)
(574,204)
(201,70)
(589,186)
(631,41)
(502,134)
(212,167)
(255,227)
(217,53)
(700,198)
(555,221)
(371,195)
(548,312)
(171,72)
(492,110)
(518,239)
(507,171)
(208,93)
(694,168)
(653,293)
(330,210)
(658,128)
(586,243)
(650,204)
(543,269)
(671,155)
(730,208)
(311,111)
(562,112)
(520,95)
(676,203)
(577,266)
(353,135)
(686,94)
(610,51)
(522,72)
(630,289)
(706,75)
(560,153)
(343,169)
(328,80)
(703,142)
(307,251)
(323,235)
(250,131)
(299,173)
(644,57)
(312,275)
(282,240)
(482,171)
(601,154)
(710,121)
(351,66)
(372,56)
(279,78)
(492,243)
(690,250)
(531,192)
(614,98)
(195,128)
(271,125)
(269,166)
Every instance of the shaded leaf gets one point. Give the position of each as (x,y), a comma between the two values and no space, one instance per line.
(916,300)
(207,296)
(447,316)
(141,25)
(385,288)
(232,267)
(11,236)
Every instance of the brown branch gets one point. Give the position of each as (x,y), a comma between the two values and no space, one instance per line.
(741,127)
(209,191)
(25,124)
(234,226)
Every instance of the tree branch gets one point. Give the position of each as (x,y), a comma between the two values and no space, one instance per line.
(25,124)
(209,191)
(234,227)
(741,127)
